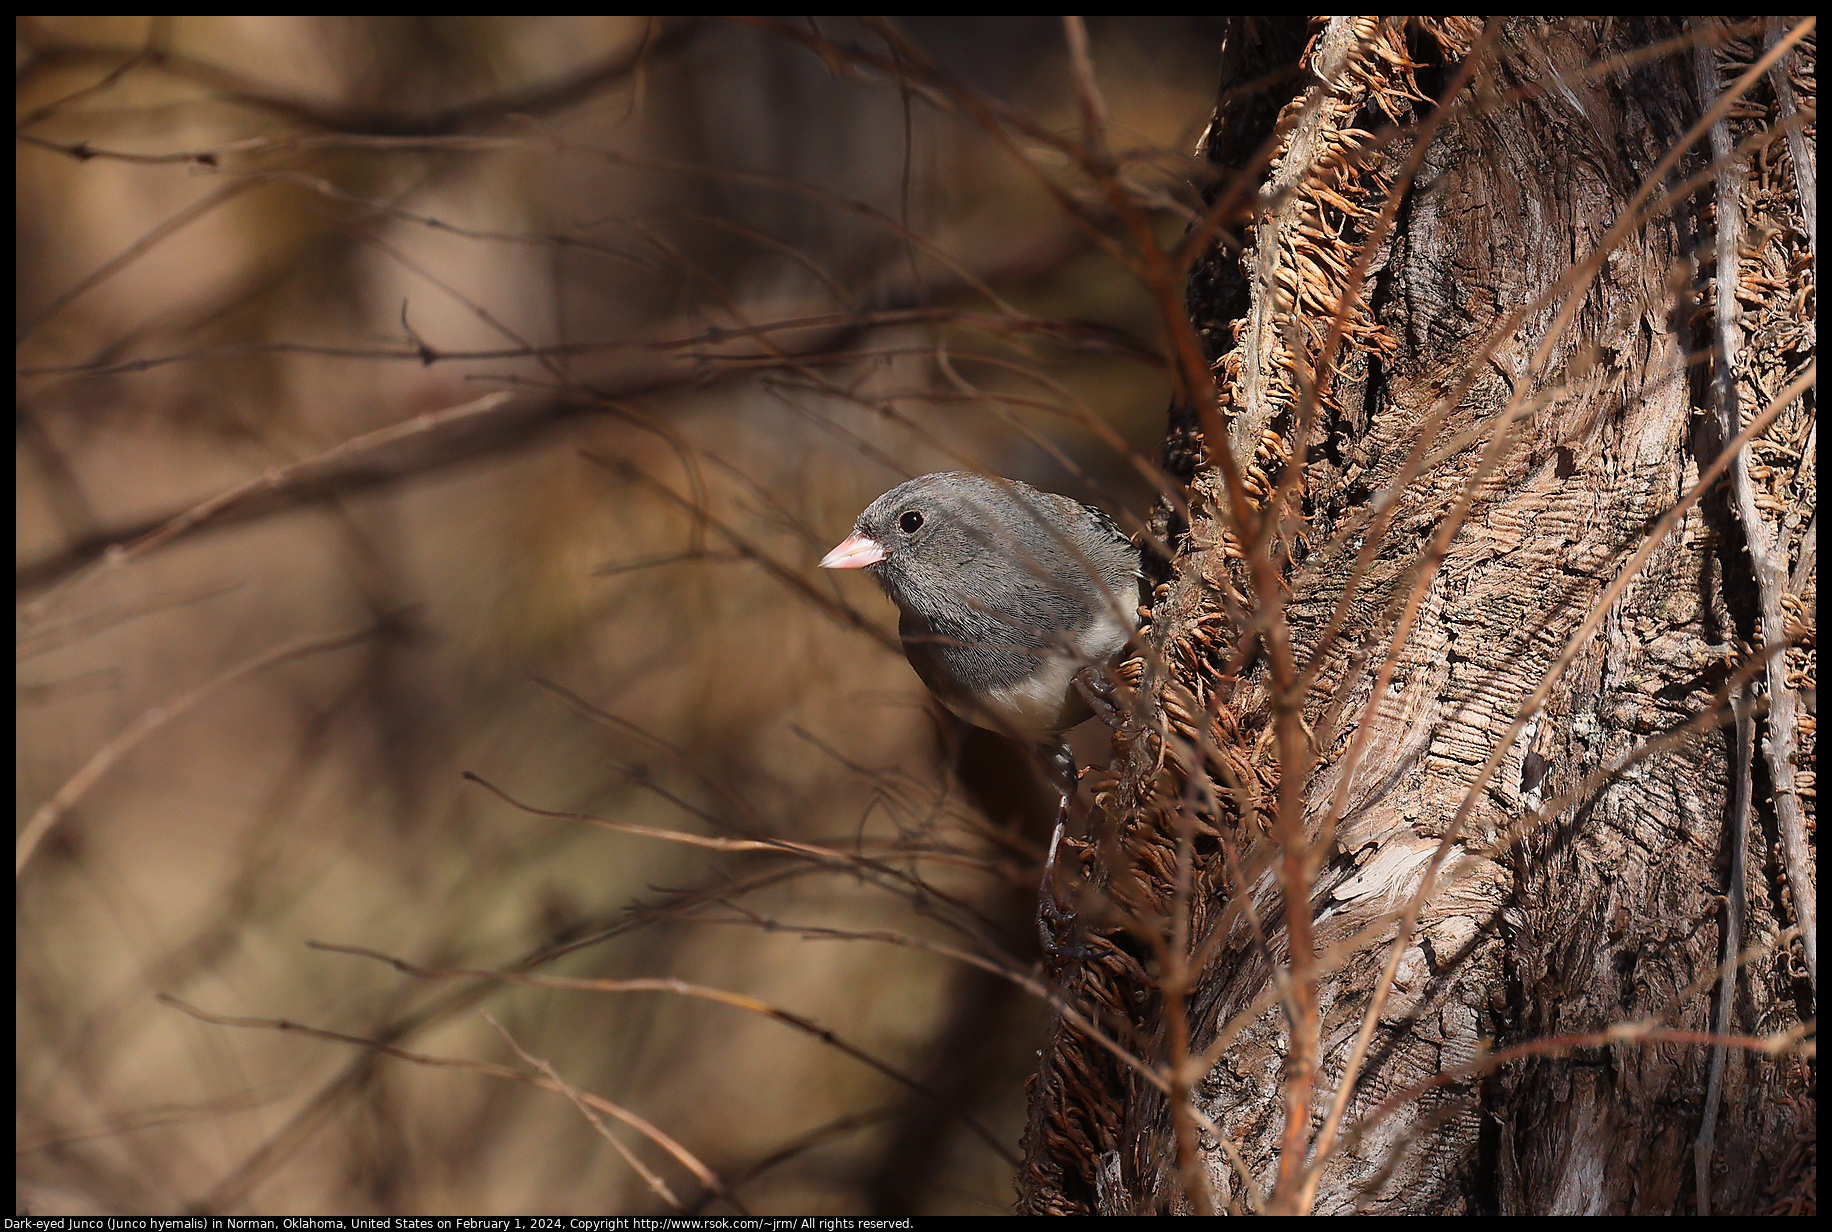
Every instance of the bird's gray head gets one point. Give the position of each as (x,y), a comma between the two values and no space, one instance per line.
(955,538)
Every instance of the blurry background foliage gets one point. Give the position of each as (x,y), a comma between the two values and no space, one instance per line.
(370,199)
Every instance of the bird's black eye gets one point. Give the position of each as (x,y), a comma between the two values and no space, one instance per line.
(911,522)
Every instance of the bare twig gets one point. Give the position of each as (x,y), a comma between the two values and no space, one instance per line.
(540,98)
(1724,399)
(1769,562)
(150,721)
(650,1177)
(438,438)
(133,252)
(274,481)
(549,1082)
(682,988)
(1799,152)
(998,964)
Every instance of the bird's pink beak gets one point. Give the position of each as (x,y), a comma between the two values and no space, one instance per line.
(854,552)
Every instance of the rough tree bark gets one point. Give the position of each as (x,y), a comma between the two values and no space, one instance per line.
(1516,399)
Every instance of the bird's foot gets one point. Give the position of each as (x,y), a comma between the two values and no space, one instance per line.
(1099,691)
(1056,930)
(1055,921)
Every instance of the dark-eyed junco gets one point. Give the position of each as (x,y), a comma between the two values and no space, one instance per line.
(1005,593)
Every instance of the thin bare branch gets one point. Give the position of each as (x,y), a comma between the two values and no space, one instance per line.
(635,1121)
(540,98)
(151,720)
(577,1097)
(681,988)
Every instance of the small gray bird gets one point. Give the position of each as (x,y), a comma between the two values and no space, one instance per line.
(1004,594)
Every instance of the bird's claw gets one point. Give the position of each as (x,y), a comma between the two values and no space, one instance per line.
(1097,689)
(1055,925)
(1055,922)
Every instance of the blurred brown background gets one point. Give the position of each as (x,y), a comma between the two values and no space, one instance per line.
(306,223)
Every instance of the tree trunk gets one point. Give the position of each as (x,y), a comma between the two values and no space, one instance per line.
(1463,415)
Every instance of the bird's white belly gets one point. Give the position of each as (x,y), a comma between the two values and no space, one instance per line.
(1041,704)
(1047,702)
